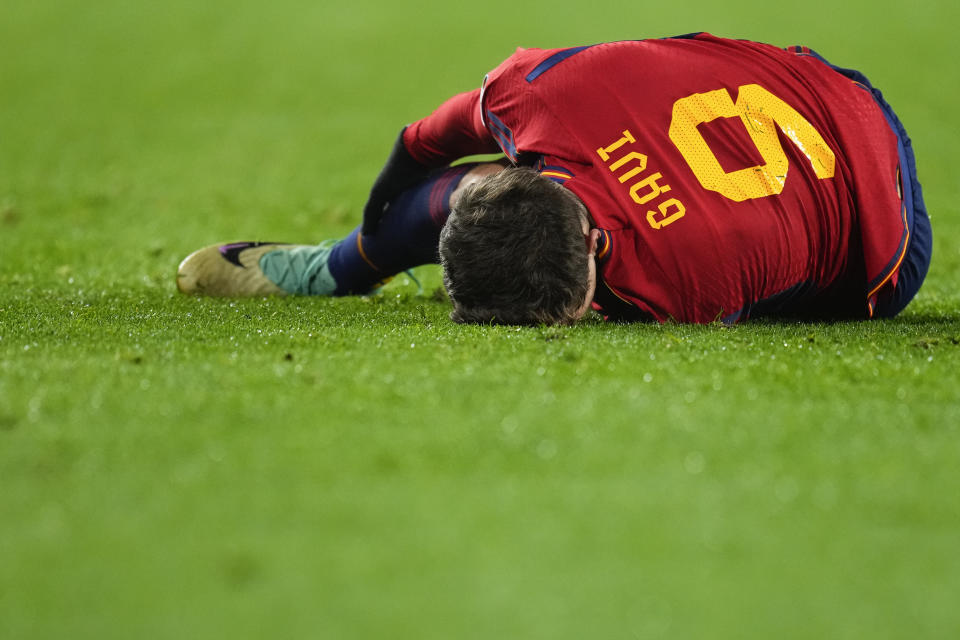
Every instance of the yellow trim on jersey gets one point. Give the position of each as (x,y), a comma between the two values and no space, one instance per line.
(556,174)
(614,292)
(606,245)
(896,267)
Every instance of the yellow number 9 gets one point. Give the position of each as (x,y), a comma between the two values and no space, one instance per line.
(761,112)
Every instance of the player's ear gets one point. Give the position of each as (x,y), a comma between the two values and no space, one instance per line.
(592,239)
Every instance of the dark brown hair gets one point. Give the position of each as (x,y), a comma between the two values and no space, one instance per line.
(513,251)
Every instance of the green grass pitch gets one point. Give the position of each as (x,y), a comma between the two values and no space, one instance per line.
(299,468)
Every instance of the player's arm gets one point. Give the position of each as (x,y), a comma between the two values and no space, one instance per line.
(453,131)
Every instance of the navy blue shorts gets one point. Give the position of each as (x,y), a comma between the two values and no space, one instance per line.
(916,262)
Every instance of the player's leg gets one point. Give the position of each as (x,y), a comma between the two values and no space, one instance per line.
(408,234)
(407,237)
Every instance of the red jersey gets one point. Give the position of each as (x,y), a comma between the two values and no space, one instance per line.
(727,177)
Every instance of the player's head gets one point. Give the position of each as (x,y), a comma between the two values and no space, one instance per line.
(517,249)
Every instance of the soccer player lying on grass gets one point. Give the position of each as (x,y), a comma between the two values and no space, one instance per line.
(691,179)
